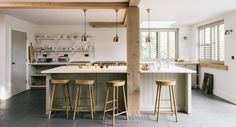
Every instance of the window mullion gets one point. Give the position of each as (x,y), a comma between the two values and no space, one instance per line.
(218,43)
(168,46)
(157,45)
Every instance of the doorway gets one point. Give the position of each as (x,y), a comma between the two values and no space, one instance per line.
(19,61)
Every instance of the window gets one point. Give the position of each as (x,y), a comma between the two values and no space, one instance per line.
(162,46)
(211,42)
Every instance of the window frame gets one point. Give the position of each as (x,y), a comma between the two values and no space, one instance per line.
(157,31)
(211,25)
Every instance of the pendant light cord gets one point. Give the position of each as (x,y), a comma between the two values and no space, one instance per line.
(148,10)
(116,21)
(85,20)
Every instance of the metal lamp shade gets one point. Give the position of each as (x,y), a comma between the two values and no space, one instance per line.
(148,39)
(84,38)
(116,39)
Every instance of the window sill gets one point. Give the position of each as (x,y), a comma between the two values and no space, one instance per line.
(215,66)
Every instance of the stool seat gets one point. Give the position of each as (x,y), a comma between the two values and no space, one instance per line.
(116,83)
(165,82)
(84,82)
(56,82)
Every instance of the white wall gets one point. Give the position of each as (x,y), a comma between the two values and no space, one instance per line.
(4,89)
(105,48)
(12,23)
(224,81)
(185,45)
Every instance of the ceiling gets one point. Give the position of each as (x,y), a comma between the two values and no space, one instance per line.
(183,12)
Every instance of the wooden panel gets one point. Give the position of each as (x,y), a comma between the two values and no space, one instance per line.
(134,2)
(133,61)
(148,90)
(106,24)
(215,66)
(99,87)
(63,5)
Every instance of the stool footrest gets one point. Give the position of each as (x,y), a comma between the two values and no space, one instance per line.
(164,99)
(110,109)
(167,112)
(120,113)
(58,109)
(83,110)
(110,102)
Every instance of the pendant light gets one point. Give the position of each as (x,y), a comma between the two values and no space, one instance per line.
(148,38)
(116,38)
(85,37)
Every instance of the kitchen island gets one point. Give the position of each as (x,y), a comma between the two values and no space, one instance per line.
(183,87)
(99,75)
(147,90)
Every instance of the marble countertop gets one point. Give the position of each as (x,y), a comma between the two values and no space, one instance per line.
(113,69)
(172,69)
(86,69)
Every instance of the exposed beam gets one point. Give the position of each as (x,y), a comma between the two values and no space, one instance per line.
(63,5)
(106,24)
(134,2)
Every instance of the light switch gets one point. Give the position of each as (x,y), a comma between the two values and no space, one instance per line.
(232,57)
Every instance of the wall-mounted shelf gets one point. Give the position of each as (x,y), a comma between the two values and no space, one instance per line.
(63,51)
(63,38)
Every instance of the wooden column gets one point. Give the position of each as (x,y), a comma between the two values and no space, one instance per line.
(133,60)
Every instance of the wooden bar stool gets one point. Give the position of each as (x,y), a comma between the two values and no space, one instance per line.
(56,83)
(91,107)
(170,84)
(115,99)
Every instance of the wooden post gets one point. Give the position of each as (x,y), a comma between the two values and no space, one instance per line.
(133,61)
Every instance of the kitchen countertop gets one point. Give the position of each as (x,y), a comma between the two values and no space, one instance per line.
(172,69)
(113,69)
(90,69)
(189,63)
(40,64)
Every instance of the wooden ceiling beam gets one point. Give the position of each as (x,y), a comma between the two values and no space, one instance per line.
(106,24)
(134,2)
(64,5)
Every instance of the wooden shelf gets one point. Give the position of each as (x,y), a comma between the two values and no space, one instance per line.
(38,75)
(65,51)
(38,86)
(215,66)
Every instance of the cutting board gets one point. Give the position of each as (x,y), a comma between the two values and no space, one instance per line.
(31,53)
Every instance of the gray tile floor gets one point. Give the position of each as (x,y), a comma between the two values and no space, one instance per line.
(27,110)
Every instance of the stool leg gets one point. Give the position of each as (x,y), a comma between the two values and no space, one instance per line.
(155,107)
(66,101)
(171,100)
(78,99)
(51,103)
(69,97)
(105,105)
(159,101)
(91,100)
(76,102)
(174,101)
(113,111)
(126,108)
(117,99)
